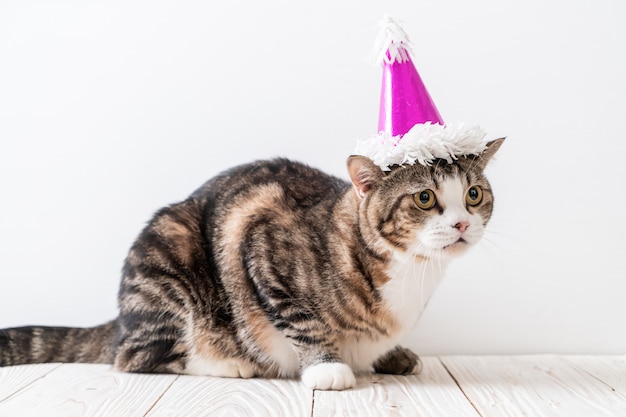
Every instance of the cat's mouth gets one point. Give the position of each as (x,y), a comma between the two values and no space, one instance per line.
(457,244)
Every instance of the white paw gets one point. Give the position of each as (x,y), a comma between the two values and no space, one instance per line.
(325,376)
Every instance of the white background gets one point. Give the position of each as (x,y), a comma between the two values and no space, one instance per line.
(112,109)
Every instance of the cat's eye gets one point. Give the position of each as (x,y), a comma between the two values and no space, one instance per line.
(474,196)
(425,199)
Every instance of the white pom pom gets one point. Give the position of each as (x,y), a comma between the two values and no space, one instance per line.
(391,37)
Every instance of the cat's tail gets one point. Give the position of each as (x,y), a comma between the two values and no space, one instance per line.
(39,344)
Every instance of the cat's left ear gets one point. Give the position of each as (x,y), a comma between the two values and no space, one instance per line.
(487,154)
(364,174)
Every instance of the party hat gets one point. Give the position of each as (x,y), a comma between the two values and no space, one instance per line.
(404,99)
(410,127)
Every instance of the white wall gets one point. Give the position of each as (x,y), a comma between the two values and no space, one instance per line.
(112,109)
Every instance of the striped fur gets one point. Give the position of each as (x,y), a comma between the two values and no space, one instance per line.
(275,269)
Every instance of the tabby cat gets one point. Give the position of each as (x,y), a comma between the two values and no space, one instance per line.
(275,269)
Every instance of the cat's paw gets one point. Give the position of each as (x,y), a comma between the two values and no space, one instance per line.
(399,361)
(329,376)
(228,368)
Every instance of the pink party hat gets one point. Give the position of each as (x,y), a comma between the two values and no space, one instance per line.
(410,127)
(404,99)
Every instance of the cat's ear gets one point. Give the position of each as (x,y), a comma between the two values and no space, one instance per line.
(487,154)
(364,174)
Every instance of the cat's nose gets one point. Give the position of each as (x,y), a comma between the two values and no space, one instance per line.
(462,225)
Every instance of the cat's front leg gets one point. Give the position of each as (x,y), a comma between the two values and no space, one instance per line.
(398,361)
(321,367)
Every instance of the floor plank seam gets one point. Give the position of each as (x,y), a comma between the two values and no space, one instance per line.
(573,364)
(14,393)
(149,410)
(460,387)
(598,379)
(313,403)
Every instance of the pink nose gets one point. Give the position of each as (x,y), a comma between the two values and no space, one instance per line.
(462,226)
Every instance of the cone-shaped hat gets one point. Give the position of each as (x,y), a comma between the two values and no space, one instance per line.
(404,99)
(410,128)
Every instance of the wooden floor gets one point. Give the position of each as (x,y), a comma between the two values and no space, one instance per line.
(473,386)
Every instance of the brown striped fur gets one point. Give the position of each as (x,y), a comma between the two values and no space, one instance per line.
(268,269)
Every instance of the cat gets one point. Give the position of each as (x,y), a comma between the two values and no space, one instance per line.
(277,270)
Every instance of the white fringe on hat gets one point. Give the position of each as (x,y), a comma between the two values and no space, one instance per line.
(423,144)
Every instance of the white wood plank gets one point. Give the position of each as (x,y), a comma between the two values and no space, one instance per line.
(533,386)
(15,378)
(76,390)
(609,369)
(432,393)
(232,397)
(497,386)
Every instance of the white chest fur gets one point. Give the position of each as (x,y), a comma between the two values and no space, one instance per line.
(412,283)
